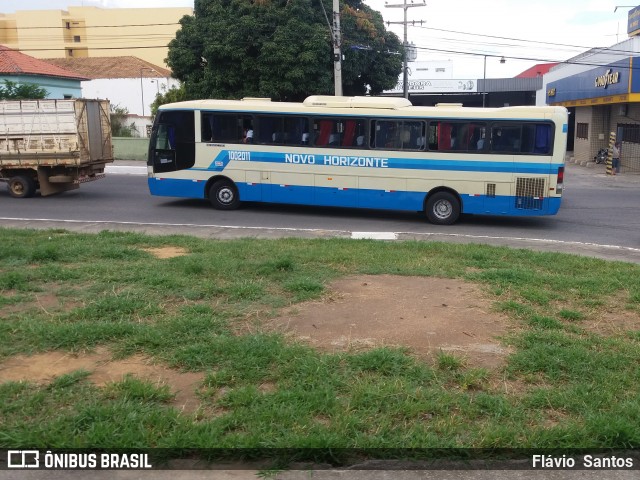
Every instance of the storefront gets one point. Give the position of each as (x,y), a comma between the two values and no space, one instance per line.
(602,97)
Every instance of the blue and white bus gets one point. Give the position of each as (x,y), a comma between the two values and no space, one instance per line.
(365,152)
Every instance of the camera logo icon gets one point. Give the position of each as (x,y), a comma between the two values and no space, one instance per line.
(23,459)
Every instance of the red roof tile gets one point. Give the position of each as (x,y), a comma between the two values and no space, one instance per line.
(111,67)
(13,62)
(536,71)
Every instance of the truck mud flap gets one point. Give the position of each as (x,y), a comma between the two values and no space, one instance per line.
(48,187)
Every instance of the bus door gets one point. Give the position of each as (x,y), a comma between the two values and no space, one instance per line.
(172,143)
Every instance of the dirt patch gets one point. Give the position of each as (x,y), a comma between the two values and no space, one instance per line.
(425,314)
(49,303)
(615,322)
(43,368)
(167,252)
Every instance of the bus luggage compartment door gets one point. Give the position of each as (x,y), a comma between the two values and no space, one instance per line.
(498,198)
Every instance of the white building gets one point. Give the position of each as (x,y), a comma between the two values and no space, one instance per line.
(127,82)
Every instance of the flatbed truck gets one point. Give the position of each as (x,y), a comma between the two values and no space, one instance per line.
(53,146)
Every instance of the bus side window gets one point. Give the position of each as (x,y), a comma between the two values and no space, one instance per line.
(536,139)
(413,136)
(445,132)
(388,134)
(323,132)
(506,138)
(433,136)
(206,127)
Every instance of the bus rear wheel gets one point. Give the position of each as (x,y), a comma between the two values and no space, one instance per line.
(223,195)
(442,208)
(22,186)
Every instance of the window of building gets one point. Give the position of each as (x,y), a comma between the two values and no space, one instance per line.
(630,132)
(582,131)
(76,38)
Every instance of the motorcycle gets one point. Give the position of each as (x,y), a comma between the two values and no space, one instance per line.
(601,156)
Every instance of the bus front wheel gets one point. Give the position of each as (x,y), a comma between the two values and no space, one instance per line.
(442,208)
(223,195)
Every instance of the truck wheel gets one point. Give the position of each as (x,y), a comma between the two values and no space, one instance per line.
(223,195)
(443,208)
(22,186)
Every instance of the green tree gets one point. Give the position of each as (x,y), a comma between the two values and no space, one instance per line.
(281,49)
(119,127)
(26,91)
(174,94)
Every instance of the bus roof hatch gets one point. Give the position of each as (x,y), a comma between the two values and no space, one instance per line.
(389,103)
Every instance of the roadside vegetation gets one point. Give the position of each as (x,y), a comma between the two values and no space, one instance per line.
(571,379)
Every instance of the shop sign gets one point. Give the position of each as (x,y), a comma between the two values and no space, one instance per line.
(609,78)
(633,21)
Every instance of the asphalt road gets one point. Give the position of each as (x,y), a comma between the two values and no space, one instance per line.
(599,217)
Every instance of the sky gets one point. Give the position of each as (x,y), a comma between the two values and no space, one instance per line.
(467,32)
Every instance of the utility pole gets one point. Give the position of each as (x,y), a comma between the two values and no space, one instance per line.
(337,53)
(405,68)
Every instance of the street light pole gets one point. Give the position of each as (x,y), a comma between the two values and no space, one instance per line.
(484,77)
(142,86)
(337,52)
(142,92)
(405,68)
(484,81)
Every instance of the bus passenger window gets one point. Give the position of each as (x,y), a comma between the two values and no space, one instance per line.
(413,136)
(506,138)
(323,129)
(445,134)
(207,127)
(226,128)
(387,134)
(536,139)
(433,136)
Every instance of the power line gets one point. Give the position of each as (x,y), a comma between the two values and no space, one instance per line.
(513,57)
(498,37)
(554,44)
(63,27)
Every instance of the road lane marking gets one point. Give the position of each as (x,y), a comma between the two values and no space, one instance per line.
(374,235)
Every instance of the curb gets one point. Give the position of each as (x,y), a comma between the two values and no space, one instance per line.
(126,169)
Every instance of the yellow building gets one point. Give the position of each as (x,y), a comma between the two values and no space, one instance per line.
(92,32)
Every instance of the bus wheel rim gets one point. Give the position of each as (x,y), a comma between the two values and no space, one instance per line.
(442,209)
(225,195)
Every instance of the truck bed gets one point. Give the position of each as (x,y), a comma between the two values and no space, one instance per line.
(54,132)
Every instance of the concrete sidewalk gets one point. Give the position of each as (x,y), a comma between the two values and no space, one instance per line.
(591,168)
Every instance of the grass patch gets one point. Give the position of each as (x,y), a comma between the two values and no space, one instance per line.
(568,386)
